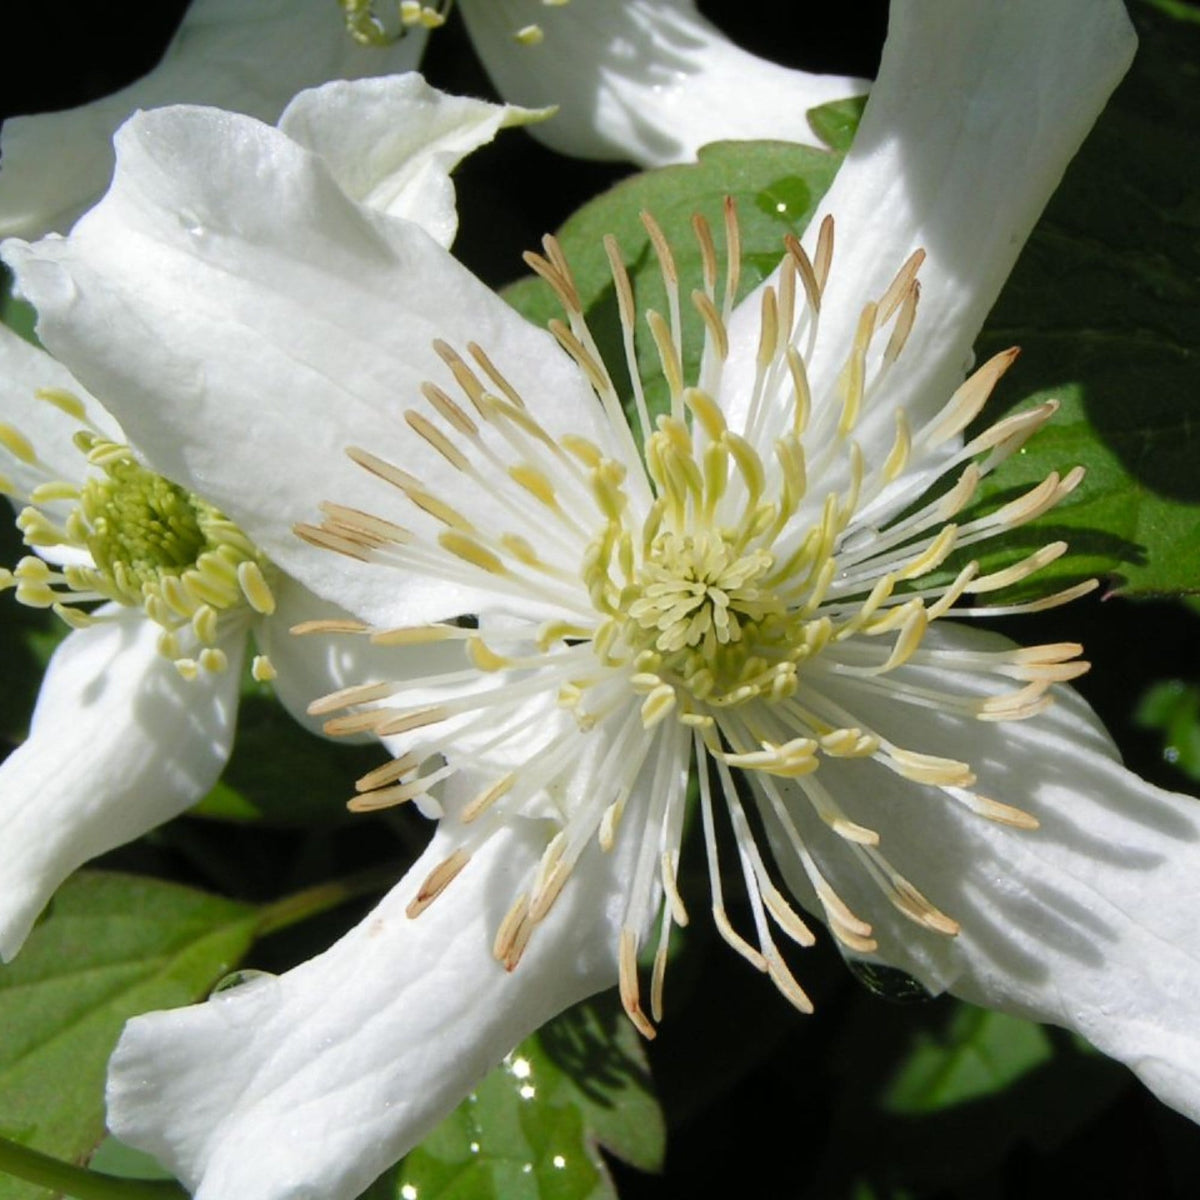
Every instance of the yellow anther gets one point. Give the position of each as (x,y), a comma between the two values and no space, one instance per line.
(470,551)
(204,623)
(484,657)
(748,463)
(585,451)
(213,660)
(17,444)
(657,705)
(535,482)
(932,556)
(64,401)
(255,588)
(488,797)
(706,411)
(262,669)
(48,493)
(852,381)
(76,618)
(897,458)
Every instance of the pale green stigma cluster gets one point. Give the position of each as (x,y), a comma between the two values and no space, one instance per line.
(697,591)
(704,612)
(129,536)
(366,27)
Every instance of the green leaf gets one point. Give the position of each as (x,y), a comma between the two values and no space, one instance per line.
(530,1131)
(1181,10)
(256,787)
(836,123)
(604,1072)
(776,186)
(980,1052)
(15,312)
(110,947)
(1105,304)
(113,1157)
(930,1100)
(1173,707)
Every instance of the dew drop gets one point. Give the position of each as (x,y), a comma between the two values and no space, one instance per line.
(559,1161)
(527,1091)
(408,1192)
(192,224)
(888,983)
(527,1169)
(858,539)
(786,199)
(474,1147)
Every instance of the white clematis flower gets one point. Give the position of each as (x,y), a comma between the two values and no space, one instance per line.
(249,56)
(647,81)
(136,716)
(747,598)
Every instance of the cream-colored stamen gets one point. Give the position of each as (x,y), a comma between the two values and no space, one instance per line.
(732,586)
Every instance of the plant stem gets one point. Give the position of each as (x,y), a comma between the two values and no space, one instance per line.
(300,906)
(35,1167)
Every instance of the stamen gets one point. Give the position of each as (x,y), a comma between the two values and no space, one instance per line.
(735,596)
(134,538)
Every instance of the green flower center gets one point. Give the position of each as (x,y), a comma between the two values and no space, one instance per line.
(139,527)
(151,544)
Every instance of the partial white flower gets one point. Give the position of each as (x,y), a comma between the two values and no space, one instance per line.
(758,594)
(647,81)
(249,56)
(136,715)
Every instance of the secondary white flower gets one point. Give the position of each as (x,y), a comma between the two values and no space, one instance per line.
(647,81)
(250,56)
(764,508)
(136,715)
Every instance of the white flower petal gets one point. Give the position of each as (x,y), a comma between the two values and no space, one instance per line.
(311,1084)
(226,279)
(119,743)
(644,80)
(251,56)
(1088,921)
(24,369)
(977,110)
(392,143)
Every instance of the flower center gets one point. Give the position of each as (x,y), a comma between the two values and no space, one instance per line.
(702,620)
(129,536)
(698,592)
(365,25)
(139,526)
(766,574)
